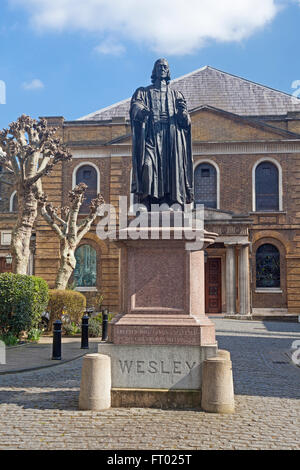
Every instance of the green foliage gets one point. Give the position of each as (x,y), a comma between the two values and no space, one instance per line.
(22,301)
(71,286)
(97,301)
(71,329)
(66,302)
(34,334)
(9,339)
(98,317)
(95,328)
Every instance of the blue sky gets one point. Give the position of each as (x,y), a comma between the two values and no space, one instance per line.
(69,58)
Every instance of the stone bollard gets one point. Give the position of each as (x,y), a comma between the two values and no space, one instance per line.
(95,388)
(225,354)
(217,384)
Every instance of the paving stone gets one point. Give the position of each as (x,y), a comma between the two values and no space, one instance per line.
(39,409)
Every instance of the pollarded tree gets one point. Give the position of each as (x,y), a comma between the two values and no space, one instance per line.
(69,229)
(28,150)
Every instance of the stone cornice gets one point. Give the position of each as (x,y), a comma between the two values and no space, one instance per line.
(230,148)
(207,148)
(259,147)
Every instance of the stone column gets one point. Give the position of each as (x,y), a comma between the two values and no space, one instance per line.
(230,280)
(244,280)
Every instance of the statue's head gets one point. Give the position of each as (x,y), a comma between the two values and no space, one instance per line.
(161,71)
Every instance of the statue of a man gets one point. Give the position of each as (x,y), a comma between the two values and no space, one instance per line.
(162,159)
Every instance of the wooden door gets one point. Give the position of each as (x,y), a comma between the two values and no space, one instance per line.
(213,285)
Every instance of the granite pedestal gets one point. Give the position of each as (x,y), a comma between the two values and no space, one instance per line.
(160,339)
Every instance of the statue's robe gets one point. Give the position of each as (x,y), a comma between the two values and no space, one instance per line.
(162,159)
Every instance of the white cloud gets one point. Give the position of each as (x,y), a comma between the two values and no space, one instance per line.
(35,84)
(166,26)
(110,46)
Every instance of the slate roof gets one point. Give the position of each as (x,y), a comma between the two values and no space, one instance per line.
(212,87)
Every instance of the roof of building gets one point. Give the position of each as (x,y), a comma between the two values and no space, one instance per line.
(222,90)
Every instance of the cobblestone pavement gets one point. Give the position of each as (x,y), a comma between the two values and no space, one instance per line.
(38,410)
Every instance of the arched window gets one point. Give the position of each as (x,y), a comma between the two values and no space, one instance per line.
(88,175)
(266,187)
(13,203)
(205,184)
(267,266)
(85,273)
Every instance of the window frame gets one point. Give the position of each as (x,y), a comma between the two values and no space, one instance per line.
(279,168)
(270,289)
(74,177)
(213,163)
(87,288)
(11,201)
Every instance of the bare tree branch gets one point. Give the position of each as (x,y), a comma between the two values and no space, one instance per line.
(29,150)
(85,225)
(67,227)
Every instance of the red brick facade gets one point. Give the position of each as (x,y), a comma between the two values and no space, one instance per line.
(235,144)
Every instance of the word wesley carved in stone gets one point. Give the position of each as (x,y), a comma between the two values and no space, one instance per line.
(156,367)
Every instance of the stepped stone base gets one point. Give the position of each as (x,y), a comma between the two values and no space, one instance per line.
(149,398)
(161,330)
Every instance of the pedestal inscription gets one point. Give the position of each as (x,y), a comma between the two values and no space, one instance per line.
(156,367)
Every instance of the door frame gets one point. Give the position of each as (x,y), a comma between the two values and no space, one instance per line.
(220,287)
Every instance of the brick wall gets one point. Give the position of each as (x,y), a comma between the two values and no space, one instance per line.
(235,195)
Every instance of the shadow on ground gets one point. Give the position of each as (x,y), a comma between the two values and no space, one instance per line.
(262,366)
(282,327)
(56,400)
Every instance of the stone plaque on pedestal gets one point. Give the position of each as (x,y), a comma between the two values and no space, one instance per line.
(156,367)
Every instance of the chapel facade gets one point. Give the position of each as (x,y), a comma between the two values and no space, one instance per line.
(246,151)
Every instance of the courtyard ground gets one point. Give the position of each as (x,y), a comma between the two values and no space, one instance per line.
(39,408)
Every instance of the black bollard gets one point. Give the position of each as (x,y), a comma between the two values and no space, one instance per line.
(56,350)
(85,332)
(104,324)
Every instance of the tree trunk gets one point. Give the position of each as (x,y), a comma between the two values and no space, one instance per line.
(67,264)
(20,244)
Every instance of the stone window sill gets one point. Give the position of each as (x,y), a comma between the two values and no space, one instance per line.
(268,290)
(267,213)
(86,289)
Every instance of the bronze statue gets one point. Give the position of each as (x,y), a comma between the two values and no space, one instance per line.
(162,150)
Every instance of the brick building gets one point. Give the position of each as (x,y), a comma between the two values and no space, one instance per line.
(246,149)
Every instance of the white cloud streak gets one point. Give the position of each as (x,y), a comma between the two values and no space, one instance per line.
(168,26)
(110,47)
(35,84)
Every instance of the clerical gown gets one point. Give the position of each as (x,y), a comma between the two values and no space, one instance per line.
(162,159)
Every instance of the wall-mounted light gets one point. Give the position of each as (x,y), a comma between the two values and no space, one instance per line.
(8,259)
